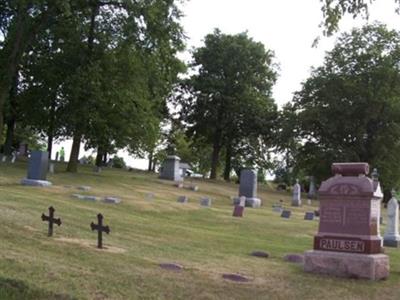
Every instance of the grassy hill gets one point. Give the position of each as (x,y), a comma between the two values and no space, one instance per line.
(207,242)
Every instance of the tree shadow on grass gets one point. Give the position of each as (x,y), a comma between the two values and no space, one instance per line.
(12,289)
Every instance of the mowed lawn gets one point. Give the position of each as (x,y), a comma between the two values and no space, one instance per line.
(207,242)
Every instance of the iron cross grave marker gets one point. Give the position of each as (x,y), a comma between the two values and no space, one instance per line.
(51,220)
(100,228)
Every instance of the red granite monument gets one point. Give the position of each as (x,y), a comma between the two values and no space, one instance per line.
(348,242)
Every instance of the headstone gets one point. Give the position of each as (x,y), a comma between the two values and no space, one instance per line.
(183,199)
(51,220)
(312,191)
(294,258)
(194,188)
(296,198)
(84,188)
(100,229)
(112,200)
(309,216)
(239,208)
(85,197)
(37,169)
(392,237)
(51,168)
(277,207)
(348,243)
(286,214)
(316,213)
(248,188)
(23,150)
(235,277)
(170,169)
(171,267)
(205,201)
(4,158)
(309,202)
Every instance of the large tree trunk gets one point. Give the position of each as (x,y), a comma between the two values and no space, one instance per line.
(228,162)
(99,156)
(74,157)
(215,154)
(150,165)
(9,136)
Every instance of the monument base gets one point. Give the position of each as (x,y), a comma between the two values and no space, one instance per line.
(34,182)
(391,242)
(351,265)
(296,203)
(250,202)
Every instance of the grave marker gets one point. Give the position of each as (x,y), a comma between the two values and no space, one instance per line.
(239,209)
(51,220)
(392,237)
(100,229)
(309,216)
(286,214)
(248,188)
(170,169)
(183,199)
(37,169)
(348,243)
(205,201)
(296,198)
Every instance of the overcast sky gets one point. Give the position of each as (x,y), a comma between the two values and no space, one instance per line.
(288,27)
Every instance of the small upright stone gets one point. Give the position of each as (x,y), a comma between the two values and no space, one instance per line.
(392,237)
(205,202)
(309,216)
(286,214)
(248,188)
(238,209)
(312,191)
(296,199)
(183,199)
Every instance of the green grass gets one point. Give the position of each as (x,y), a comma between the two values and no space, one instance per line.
(206,241)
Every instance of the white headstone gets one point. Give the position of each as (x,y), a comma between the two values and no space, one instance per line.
(391,237)
(242,201)
(51,168)
(296,199)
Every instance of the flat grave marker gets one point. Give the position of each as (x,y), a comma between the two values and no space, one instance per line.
(309,216)
(183,199)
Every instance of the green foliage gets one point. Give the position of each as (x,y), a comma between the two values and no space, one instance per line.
(334,10)
(118,162)
(227,102)
(349,109)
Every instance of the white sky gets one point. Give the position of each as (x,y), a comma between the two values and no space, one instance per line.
(288,27)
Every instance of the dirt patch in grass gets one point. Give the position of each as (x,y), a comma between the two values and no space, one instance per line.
(91,245)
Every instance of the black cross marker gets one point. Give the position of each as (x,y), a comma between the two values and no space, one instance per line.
(51,220)
(100,228)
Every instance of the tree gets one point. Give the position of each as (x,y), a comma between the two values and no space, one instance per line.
(349,109)
(228,99)
(20,22)
(334,10)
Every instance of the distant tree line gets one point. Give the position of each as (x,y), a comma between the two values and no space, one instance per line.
(106,74)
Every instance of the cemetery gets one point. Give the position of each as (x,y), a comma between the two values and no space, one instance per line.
(161,248)
(199,149)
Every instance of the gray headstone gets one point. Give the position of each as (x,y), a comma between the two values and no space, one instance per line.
(34,182)
(312,191)
(194,188)
(286,214)
(13,157)
(38,165)
(84,188)
(309,216)
(51,168)
(84,197)
(170,169)
(183,199)
(277,207)
(112,200)
(296,198)
(392,237)
(205,201)
(248,188)
(4,158)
